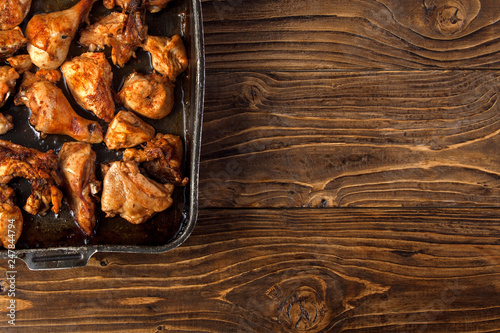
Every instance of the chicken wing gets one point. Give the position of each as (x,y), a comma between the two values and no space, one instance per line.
(149,95)
(8,77)
(168,55)
(51,112)
(50,35)
(161,158)
(77,164)
(39,168)
(130,194)
(11,218)
(11,41)
(89,78)
(127,130)
(124,33)
(153,6)
(13,12)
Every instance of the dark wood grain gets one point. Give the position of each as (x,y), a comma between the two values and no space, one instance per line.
(351,34)
(335,270)
(281,139)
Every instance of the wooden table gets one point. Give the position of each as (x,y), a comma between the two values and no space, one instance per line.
(350,182)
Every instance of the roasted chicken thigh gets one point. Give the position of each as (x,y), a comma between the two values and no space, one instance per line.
(150,95)
(168,55)
(153,6)
(89,78)
(8,77)
(130,194)
(51,112)
(13,12)
(50,35)
(39,168)
(127,130)
(77,164)
(11,41)
(11,218)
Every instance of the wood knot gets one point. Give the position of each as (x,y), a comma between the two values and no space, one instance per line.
(252,95)
(447,17)
(303,310)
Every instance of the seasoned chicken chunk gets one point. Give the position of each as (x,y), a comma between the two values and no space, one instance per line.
(50,35)
(51,112)
(39,168)
(21,63)
(11,218)
(123,33)
(127,130)
(13,12)
(153,6)
(130,194)
(161,158)
(8,77)
(5,123)
(168,55)
(149,95)
(11,41)
(89,78)
(77,164)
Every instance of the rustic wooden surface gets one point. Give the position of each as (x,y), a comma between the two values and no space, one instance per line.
(350,182)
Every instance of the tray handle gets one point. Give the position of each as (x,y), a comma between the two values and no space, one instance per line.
(57,259)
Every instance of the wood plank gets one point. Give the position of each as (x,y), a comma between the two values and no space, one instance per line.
(337,270)
(391,138)
(351,34)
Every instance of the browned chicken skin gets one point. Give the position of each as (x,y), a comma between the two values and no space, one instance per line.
(50,35)
(127,130)
(150,95)
(11,41)
(51,112)
(161,157)
(39,168)
(11,218)
(8,77)
(13,12)
(77,164)
(153,6)
(21,63)
(130,194)
(124,33)
(168,55)
(89,78)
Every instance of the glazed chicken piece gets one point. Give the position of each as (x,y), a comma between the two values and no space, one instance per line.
(21,63)
(77,164)
(89,78)
(51,112)
(168,55)
(10,214)
(149,95)
(39,168)
(11,41)
(8,77)
(153,6)
(123,33)
(50,35)
(161,158)
(127,130)
(130,194)
(13,12)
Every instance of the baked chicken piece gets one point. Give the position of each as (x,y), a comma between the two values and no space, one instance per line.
(39,168)
(13,12)
(89,78)
(150,95)
(8,77)
(50,35)
(10,214)
(21,63)
(77,164)
(127,130)
(124,33)
(130,194)
(11,41)
(168,55)
(51,112)
(161,158)
(153,6)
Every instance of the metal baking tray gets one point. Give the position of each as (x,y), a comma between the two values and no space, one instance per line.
(55,242)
